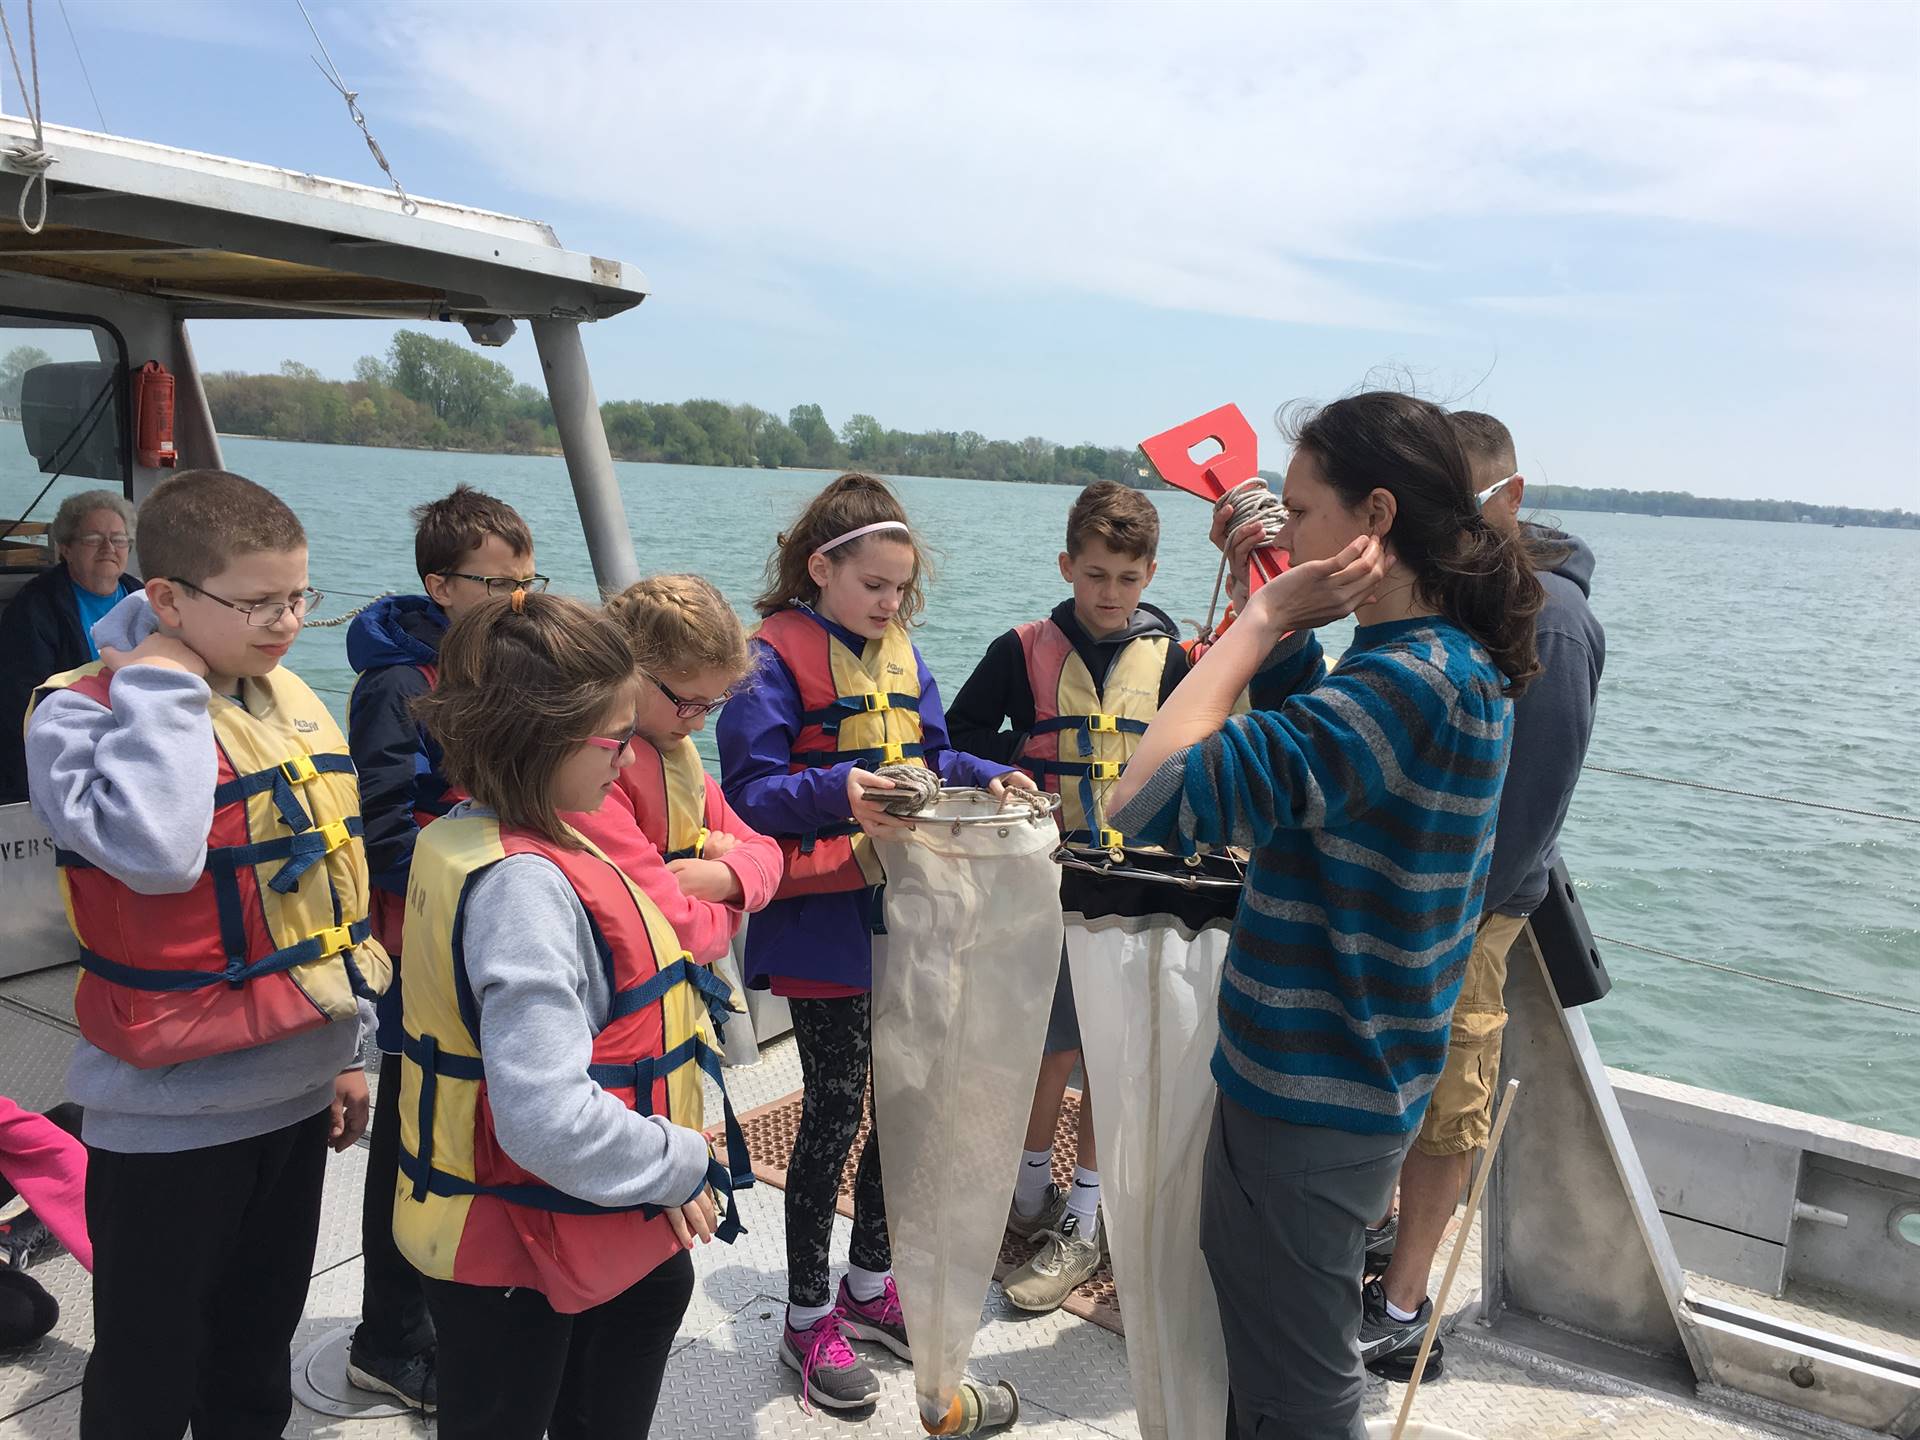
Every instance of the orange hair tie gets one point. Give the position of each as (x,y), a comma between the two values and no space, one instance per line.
(519,602)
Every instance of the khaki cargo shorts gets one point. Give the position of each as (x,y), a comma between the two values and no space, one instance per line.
(1460,1114)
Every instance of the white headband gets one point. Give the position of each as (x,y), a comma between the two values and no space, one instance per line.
(840,540)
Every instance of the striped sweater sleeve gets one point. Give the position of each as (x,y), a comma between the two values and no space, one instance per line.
(1324,756)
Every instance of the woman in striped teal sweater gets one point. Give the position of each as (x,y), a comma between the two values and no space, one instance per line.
(1368,796)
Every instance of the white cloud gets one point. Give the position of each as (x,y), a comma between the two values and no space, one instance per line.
(1263,161)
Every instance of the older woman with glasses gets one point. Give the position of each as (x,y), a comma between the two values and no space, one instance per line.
(45,629)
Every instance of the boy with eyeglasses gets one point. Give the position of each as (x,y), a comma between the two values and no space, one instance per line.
(468,547)
(208,836)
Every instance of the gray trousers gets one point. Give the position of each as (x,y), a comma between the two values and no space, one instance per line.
(1284,1213)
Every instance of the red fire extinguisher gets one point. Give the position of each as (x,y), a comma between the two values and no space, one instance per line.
(153,416)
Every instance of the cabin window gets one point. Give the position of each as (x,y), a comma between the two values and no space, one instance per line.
(62,424)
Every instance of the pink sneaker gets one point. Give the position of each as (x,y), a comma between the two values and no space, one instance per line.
(879,1320)
(830,1373)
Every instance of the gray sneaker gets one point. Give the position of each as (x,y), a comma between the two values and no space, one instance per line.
(830,1373)
(1064,1262)
(1053,1209)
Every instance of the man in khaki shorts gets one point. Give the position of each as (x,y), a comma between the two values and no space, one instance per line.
(1552,722)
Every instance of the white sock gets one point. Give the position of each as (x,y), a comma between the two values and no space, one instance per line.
(805,1317)
(1030,1190)
(1396,1313)
(1083,1201)
(866,1285)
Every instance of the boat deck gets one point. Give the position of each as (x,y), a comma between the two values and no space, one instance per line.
(725,1378)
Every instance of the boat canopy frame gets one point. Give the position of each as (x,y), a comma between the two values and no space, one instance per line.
(147,237)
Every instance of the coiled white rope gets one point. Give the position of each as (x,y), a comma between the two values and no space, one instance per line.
(31,160)
(1250,500)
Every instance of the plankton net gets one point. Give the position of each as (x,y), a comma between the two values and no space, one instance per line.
(1146,936)
(963,982)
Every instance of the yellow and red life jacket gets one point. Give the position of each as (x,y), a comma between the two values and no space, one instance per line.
(863,708)
(273,938)
(463,1210)
(669,793)
(1083,734)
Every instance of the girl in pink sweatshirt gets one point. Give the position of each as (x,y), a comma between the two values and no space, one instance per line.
(666,823)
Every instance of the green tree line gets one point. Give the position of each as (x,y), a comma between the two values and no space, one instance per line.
(435,394)
(427,393)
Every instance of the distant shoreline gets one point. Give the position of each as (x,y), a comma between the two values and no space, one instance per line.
(1555,497)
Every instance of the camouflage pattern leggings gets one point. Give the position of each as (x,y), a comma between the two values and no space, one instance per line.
(836,1051)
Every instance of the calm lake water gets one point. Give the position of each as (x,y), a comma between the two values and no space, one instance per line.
(1773,658)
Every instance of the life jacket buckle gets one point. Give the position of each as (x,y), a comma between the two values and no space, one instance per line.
(335,834)
(1109,840)
(700,843)
(299,770)
(335,940)
(1103,724)
(1104,769)
(875,700)
(892,754)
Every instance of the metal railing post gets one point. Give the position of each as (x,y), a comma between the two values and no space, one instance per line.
(596,491)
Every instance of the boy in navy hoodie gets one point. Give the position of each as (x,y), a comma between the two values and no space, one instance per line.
(467,546)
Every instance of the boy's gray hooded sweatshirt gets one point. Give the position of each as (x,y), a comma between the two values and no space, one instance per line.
(131,790)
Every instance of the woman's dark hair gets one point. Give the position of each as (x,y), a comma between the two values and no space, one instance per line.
(1462,565)
(848,502)
(520,687)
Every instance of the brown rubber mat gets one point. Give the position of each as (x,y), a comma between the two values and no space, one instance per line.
(770,1131)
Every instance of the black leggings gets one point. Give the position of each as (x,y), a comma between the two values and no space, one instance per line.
(509,1367)
(836,1052)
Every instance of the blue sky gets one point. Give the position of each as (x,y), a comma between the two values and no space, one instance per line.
(1675,247)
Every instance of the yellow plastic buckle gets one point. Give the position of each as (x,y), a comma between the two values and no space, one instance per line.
(1103,724)
(299,770)
(1105,839)
(876,700)
(335,940)
(892,754)
(1104,769)
(336,834)
(699,850)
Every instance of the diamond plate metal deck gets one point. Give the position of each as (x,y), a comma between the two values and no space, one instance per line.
(725,1379)
(33,1073)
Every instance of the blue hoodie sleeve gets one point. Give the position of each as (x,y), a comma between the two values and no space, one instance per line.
(755,738)
(384,740)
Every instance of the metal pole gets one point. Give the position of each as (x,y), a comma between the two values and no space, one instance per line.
(596,493)
(198,440)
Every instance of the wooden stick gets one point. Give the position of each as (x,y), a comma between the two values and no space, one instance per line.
(1453,1260)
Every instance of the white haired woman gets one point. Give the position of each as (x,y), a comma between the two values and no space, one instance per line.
(46,629)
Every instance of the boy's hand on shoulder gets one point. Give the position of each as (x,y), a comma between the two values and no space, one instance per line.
(351,1109)
(707,880)
(163,651)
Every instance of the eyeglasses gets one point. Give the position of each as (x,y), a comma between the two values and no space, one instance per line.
(261,613)
(609,743)
(690,709)
(501,584)
(1495,488)
(94,540)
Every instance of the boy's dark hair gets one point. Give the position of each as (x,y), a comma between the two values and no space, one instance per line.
(518,691)
(1120,518)
(198,522)
(1488,443)
(447,528)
